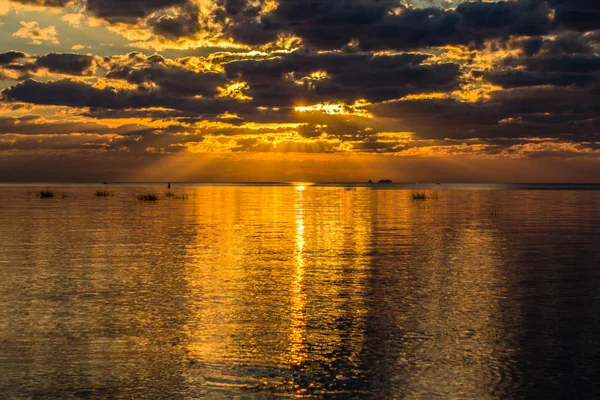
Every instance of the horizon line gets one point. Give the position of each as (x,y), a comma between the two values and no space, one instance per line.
(290,183)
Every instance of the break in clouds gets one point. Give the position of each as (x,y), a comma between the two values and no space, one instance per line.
(417,78)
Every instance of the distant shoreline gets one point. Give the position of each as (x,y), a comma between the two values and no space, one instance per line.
(374,185)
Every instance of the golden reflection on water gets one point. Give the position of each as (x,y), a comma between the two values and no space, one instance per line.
(298,298)
(273,292)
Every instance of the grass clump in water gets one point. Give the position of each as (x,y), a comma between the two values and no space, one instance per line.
(46,194)
(170,194)
(424,196)
(148,197)
(104,193)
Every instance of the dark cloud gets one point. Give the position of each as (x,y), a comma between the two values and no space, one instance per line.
(571,64)
(570,43)
(581,15)
(186,23)
(330,25)
(34,124)
(565,43)
(287,81)
(276,82)
(513,79)
(65,92)
(532,45)
(59,63)
(311,130)
(46,3)
(568,59)
(129,11)
(551,100)
(103,113)
(70,93)
(502,18)
(67,63)
(171,79)
(37,125)
(375,24)
(33,132)
(253,32)
(567,113)
(11,56)
(471,22)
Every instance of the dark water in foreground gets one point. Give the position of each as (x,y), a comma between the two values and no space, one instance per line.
(283,291)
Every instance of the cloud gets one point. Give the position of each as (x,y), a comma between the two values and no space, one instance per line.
(508,79)
(184,23)
(68,63)
(78,94)
(580,15)
(137,81)
(170,78)
(23,66)
(567,59)
(287,80)
(548,112)
(73,19)
(128,11)
(45,3)
(36,125)
(65,92)
(471,22)
(11,56)
(388,25)
(374,24)
(37,35)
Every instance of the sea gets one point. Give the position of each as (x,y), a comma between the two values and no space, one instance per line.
(300,290)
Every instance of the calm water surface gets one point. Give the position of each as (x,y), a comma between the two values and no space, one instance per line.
(283,291)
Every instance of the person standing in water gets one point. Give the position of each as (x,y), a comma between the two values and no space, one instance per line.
(169,185)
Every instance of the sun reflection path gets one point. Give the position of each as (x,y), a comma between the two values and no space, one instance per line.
(298,350)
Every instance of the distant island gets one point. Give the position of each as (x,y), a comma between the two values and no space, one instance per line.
(382,181)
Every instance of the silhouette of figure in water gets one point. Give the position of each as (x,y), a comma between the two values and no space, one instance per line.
(169,185)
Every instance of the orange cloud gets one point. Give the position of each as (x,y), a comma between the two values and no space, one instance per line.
(37,35)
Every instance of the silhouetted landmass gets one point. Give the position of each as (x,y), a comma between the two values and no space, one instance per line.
(385,181)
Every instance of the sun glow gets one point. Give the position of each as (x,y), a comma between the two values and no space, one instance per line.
(301,186)
(235,90)
(358,108)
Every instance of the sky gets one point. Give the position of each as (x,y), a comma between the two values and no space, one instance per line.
(300,90)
